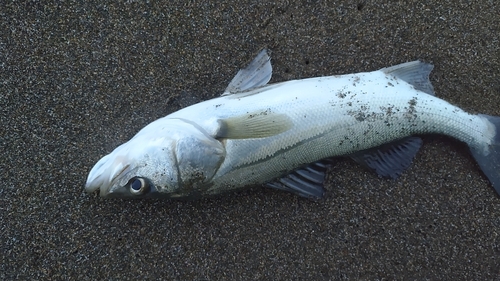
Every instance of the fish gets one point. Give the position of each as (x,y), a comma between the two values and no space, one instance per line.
(285,135)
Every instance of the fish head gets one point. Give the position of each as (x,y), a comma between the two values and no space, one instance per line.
(172,159)
(138,168)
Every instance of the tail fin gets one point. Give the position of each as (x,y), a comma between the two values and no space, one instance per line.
(489,160)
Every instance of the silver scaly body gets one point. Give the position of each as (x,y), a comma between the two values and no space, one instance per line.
(257,133)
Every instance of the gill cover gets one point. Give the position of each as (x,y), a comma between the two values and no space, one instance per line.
(184,162)
(198,157)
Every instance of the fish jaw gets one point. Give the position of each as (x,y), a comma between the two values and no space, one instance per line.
(96,177)
(108,172)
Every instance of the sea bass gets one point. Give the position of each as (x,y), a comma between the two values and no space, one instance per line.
(284,135)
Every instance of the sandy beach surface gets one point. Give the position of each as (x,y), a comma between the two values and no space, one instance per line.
(78,78)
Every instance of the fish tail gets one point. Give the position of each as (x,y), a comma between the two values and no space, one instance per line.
(489,158)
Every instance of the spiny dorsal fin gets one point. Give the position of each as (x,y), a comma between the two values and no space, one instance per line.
(306,182)
(389,160)
(254,125)
(256,74)
(415,73)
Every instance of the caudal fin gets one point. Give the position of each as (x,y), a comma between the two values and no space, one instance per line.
(489,160)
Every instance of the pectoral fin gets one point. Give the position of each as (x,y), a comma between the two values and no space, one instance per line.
(389,160)
(256,125)
(256,74)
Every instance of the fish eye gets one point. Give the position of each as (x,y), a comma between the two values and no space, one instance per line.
(138,186)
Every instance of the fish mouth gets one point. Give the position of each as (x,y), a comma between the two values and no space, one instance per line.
(106,174)
(111,186)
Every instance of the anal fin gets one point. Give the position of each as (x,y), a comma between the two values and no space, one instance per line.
(389,160)
(306,182)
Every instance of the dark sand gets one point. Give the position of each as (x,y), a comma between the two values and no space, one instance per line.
(79,79)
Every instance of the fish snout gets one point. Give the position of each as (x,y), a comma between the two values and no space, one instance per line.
(95,178)
(106,173)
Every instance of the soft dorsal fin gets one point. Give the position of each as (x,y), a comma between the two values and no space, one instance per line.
(256,74)
(415,73)
(389,160)
(306,182)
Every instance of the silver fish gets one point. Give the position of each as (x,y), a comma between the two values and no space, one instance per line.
(283,135)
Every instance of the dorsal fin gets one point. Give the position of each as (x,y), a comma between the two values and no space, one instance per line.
(306,182)
(415,73)
(256,74)
(391,159)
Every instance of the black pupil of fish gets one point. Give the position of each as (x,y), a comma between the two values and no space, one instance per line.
(136,184)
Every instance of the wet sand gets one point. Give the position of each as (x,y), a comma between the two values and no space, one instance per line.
(79,79)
